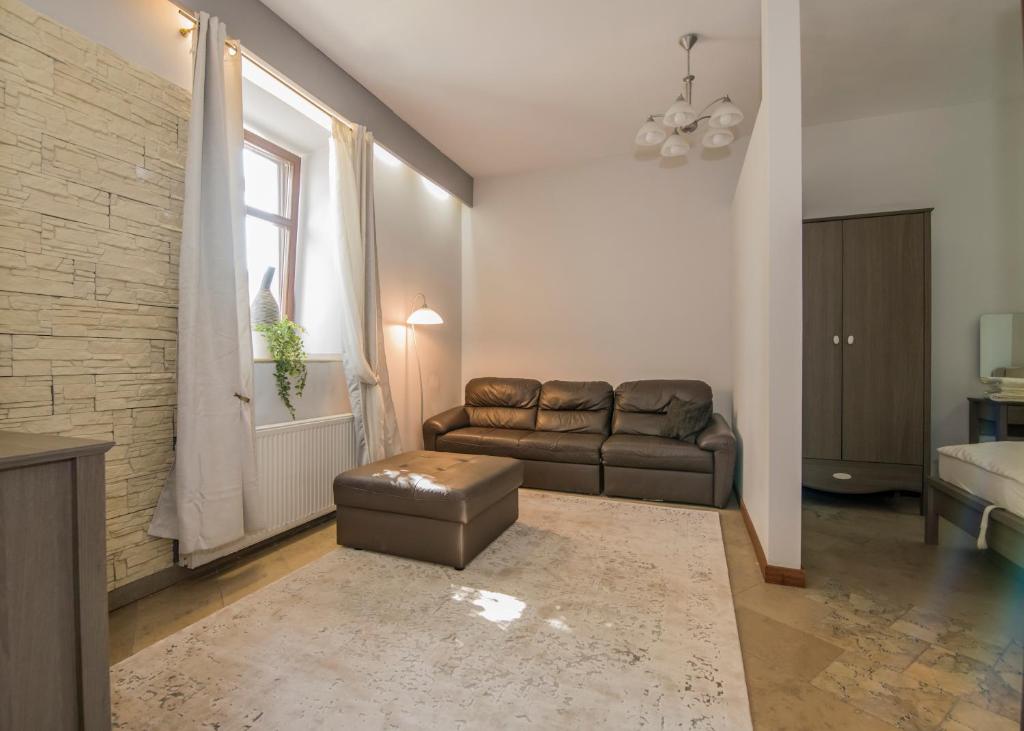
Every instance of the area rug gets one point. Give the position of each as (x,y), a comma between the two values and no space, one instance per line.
(588,613)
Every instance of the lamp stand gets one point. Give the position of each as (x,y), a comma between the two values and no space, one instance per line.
(419,370)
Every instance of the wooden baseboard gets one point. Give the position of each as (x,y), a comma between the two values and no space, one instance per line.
(772,574)
(171,575)
(135,590)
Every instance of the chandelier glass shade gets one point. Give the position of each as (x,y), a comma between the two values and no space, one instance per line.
(651,133)
(716,137)
(675,146)
(683,118)
(680,114)
(725,114)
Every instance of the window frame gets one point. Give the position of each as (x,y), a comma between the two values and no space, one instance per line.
(289,223)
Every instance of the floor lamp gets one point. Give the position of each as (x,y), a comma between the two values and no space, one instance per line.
(422,315)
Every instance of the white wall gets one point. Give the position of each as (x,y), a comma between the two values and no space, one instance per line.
(142,31)
(418,241)
(752,291)
(317,296)
(968,162)
(768,291)
(617,269)
(419,236)
(325,393)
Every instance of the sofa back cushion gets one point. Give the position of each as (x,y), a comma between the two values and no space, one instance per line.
(575,406)
(641,407)
(503,403)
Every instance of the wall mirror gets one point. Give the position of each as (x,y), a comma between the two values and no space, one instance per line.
(1002,346)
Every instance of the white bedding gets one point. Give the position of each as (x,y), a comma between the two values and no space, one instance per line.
(994,471)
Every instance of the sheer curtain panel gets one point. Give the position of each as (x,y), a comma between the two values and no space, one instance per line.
(362,335)
(212,496)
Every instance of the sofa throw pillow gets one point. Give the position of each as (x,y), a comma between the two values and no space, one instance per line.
(686,419)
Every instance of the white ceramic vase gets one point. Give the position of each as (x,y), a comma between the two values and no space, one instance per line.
(260,349)
(263,311)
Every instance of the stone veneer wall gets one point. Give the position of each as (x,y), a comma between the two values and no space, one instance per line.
(92,153)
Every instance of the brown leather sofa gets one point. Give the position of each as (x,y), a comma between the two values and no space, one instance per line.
(556,429)
(577,436)
(639,462)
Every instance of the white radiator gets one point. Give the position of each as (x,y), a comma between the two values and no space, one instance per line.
(297,462)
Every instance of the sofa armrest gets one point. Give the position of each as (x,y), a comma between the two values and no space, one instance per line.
(446,421)
(718,437)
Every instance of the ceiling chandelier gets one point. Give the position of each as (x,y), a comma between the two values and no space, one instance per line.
(682,118)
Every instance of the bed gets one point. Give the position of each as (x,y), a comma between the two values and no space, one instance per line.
(972,477)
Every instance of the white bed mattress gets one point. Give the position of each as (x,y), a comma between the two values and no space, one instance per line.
(993,471)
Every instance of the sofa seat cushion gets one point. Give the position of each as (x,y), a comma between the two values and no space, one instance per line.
(524,444)
(483,440)
(658,453)
(570,447)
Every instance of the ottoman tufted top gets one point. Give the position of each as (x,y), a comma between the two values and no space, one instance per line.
(439,485)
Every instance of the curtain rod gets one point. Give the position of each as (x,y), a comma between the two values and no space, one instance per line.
(246,53)
(194,20)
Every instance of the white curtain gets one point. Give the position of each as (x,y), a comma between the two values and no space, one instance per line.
(212,495)
(362,331)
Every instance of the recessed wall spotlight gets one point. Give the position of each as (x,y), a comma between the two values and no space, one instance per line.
(435,190)
(683,118)
(384,156)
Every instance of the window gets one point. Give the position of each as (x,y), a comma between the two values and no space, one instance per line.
(271,217)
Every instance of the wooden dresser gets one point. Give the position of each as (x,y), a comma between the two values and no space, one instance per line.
(54,670)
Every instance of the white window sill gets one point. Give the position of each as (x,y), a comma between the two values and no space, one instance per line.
(316,358)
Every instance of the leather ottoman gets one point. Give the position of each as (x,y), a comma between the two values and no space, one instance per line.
(432,506)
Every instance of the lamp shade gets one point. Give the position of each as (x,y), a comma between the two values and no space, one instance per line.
(424,316)
(725,115)
(675,146)
(680,114)
(650,133)
(717,137)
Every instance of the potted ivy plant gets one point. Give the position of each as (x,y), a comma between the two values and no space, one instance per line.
(284,340)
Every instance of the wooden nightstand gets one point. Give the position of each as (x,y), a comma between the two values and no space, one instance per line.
(1001,420)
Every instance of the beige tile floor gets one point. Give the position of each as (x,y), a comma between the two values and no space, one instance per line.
(889,633)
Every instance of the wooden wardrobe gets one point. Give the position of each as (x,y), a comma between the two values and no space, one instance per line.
(867,337)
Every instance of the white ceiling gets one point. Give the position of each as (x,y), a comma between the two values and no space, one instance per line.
(863,58)
(504,87)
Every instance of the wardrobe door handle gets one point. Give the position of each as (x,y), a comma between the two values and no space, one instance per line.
(835,340)
(849,340)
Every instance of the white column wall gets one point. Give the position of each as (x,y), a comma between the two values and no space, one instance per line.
(768,329)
